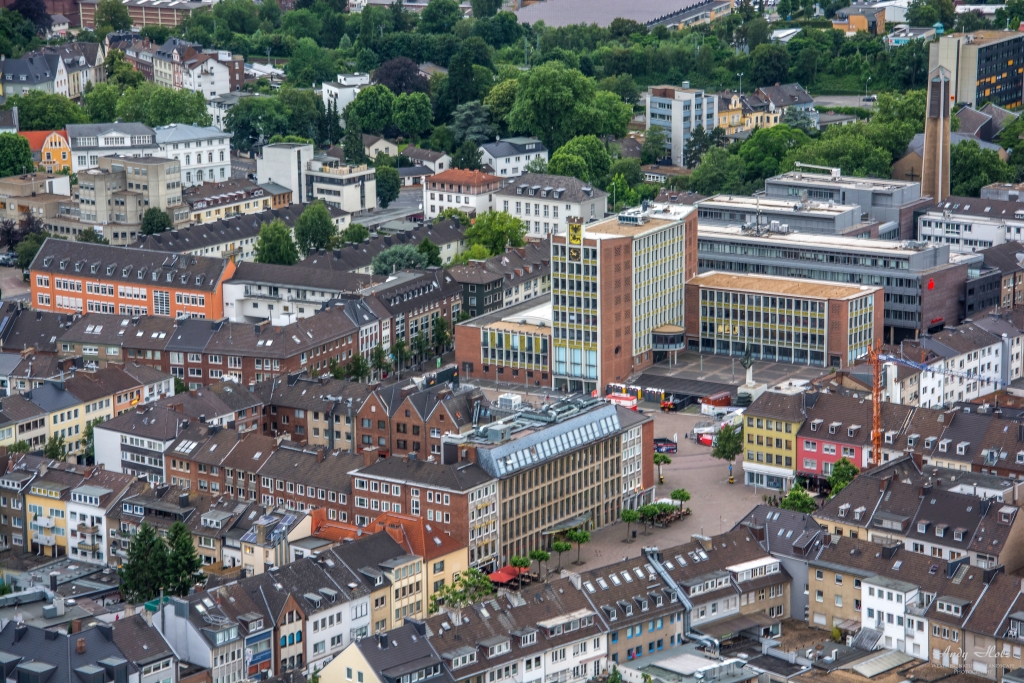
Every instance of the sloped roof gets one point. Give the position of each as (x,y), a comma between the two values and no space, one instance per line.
(36,138)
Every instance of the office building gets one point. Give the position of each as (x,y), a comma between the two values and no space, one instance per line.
(792,215)
(679,110)
(509,345)
(923,281)
(788,320)
(39,195)
(881,199)
(341,93)
(969,224)
(616,283)
(983,66)
(545,202)
(311,177)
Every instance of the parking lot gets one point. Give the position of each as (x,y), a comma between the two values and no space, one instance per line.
(728,370)
(12,284)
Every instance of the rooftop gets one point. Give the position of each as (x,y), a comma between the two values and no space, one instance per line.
(770,284)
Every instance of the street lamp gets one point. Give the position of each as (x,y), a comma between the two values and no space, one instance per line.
(866,87)
(740,74)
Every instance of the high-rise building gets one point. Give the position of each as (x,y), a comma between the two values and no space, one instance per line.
(983,66)
(935,159)
(616,288)
(678,111)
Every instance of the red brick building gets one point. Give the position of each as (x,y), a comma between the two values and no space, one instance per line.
(511,345)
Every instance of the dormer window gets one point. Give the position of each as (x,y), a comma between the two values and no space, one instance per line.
(961,448)
(852,431)
(944,445)
(958,535)
(843,509)
(834,427)
(940,530)
(528,639)
(815,424)
(890,436)
(859,512)
(929,442)
(498,649)
(912,440)
(922,527)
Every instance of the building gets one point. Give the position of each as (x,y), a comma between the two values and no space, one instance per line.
(75,276)
(219,106)
(90,141)
(511,345)
(780,98)
(860,18)
(144,12)
(142,644)
(960,363)
(428,158)
(969,224)
(626,269)
(39,195)
(935,163)
(786,215)
(678,111)
(547,202)
(213,74)
(169,62)
(730,112)
(204,153)
(374,145)
(9,121)
(341,93)
(50,149)
(903,34)
(910,165)
(309,177)
(448,235)
(509,158)
(518,275)
(376,659)
(87,514)
(923,298)
(315,409)
(773,420)
(213,202)
(471,192)
(782,319)
(981,67)
(34,71)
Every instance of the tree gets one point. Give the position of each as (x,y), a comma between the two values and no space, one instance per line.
(120,72)
(275,244)
(401,75)
(89,439)
(29,247)
(592,151)
(521,563)
(579,537)
(499,101)
(15,155)
(55,448)
(798,119)
(496,230)
(472,121)
(629,516)
(184,566)
(561,547)
(310,65)
(553,103)
(143,571)
(612,115)
(471,587)
(766,147)
(661,459)
(379,360)
(797,500)
(421,344)
(101,101)
(854,154)
(92,237)
(728,443)
(314,229)
(389,185)
(38,110)
(155,105)
(398,257)
(628,169)
(112,15)
(374,108)
(467,157)
(540,556)
(451,213)
(769,64)
(155,221)
(843,473)
(482,9)
(477,252)
(648,513)
(537,165)
(431,252)
(399,354)
(568,165)
(623,85)
(925,13)
(440,335)
(440,16)
(622,194)
(355,233)
(700,142)
(653,148)
(357,369)
(972,167)
(442,140)
(352,142)
(413,114)
(35,11)
(680,496)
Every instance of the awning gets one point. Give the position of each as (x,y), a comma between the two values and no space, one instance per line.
(886,662)
(573,523)
(725,629)
(506,574)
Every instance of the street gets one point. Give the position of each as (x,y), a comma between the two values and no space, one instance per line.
(12,284)
(409,202)
(728,370)
(823,102)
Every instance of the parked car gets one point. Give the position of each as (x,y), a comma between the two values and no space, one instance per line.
(665,446)
(8,259)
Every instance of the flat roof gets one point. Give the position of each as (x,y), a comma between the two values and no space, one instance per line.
(804,239)
(658,216)
(771,204)
(844,180)
(985,37)
(556,13)
(770,284)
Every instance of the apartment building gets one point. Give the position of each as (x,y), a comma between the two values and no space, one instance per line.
(970,225)
(213,73)
(204,153)
(35,71)
(923,282)
(135,443)
(678,111)
(860,17)
(87,509)
(212,202)
(403,646)
(79,277)
(471,192)
(511,345)
(520,274)
(546,203)
(962,363)
(169,62)
(90,141)
(509,157)
(638,262)
(45,499)
(313,177)
(982,65)
(435,162)
(341,93)
(311,409)
(772,423)
(782,319)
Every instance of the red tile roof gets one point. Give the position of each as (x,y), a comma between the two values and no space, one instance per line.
(460,176)
(36,138)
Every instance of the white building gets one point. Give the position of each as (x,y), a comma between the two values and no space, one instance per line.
(219,106)
(206,75)
(352,188)
(90,141)
(87,520)
(884,604)
(678,111)
(970,224)
(546,202)
(285,163)
(472,192)
(508,158)
(204,152)
(966,363)
(343,91)
(135,442)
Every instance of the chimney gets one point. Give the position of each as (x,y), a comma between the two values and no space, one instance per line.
(53,581)
(926,489)
(80,646)
(183,500)
(382,641)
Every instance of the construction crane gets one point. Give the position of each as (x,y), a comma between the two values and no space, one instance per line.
(876,358)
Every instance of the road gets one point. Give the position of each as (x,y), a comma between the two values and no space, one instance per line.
(823,102)
(408,203)
(12,284)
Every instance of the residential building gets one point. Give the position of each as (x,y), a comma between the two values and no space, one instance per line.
(47,652)
(679,110)
(143,645)
(341,93)
(772,422)
(137,282)
(374,145)
(311,409)
(90,141)
(510,345)
(970,225)
(219,106)
(169,62)
(137,50)
(87,513)
(730,113)
(34,71)
(46,501)
(449,236)
(9,121)
(83,63)
(554,201)
(211,202)
(211,74)
(20,471)
(294,166)
(509,158)
(779,98)
(959,364)
(982,66)
(204,153)
(518,275)
(435,161)
(924,298)
(381,657)
(50,149)
(860,18)
(782,319)
(638,262)
(471,192)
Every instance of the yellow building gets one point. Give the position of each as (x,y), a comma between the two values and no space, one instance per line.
(45,501)
(50,149)
(212,202)
(772,422)
(730,113)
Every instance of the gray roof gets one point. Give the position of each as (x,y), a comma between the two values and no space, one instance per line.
(183,132)
(56,653)
(462,477)
(786,95)
(35,67)
(917,142)
(125,265)
(193,334)
(358,256)
(9,118)
(152,422)
(511,146)
(406,648)
(95,130)
(8,362)
(225,230)
(558,13)
(140,642)
(419,154)
(51,398)
(298,276)
(563,188)
(518,263)
(21,328)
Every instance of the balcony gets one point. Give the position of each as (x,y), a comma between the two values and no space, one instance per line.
(83,528)
(44,522)
(44,539)
(89,546)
